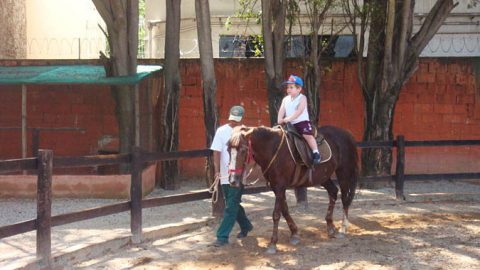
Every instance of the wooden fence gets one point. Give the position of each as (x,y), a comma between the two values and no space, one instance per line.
(44,163)
(400,177)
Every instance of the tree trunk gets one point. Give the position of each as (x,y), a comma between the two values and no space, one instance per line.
(273,27)
(13,29)
(392,59)
(209,83)
(169,119)
(316,12)
(378,160)
(121,18)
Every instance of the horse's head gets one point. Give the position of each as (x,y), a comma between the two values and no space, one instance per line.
(240,152)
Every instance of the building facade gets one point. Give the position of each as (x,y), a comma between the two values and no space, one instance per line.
(50,29)
(459,36)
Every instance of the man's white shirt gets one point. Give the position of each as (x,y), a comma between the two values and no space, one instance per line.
(220,141)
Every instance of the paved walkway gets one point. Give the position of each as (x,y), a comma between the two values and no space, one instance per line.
(81,240)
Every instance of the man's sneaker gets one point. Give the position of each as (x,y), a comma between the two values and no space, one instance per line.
(219,243)
(316,158)
(243,234)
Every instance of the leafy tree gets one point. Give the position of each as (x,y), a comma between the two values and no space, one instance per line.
(315,11)
(169,113)
(121,19)
(209,83)
(392,58)
(273,29)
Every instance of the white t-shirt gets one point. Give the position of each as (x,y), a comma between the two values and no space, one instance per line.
(220,141)
(291,106)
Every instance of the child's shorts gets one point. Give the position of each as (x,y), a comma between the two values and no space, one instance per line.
(304,127)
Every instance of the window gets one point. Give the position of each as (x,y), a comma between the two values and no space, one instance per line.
(340,46)
(241,46)
(295,46)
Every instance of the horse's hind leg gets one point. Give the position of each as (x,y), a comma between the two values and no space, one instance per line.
(347,181)
(332,198)
(294,238)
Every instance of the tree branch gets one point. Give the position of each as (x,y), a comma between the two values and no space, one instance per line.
(407,11)
(389,37)
(105,11)
(432,23)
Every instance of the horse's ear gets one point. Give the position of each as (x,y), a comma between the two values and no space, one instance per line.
(247,132)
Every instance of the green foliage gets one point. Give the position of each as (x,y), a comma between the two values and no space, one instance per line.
(257,41)
(228,23)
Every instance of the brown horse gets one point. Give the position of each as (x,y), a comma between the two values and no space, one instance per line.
(269,149)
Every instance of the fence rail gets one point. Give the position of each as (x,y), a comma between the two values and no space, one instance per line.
(45,162)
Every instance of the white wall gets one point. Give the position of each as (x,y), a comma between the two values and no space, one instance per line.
(58,28)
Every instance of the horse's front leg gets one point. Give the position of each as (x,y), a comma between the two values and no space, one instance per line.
(272,247)
(294,238)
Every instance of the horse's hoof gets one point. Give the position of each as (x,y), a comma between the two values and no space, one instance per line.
(340,235)
(331,233)
(271,250)
(294,240)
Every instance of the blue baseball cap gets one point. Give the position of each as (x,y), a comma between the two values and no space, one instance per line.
(294,80)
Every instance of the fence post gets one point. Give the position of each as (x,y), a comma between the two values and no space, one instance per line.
(400,168)
(136,196)
(44,207)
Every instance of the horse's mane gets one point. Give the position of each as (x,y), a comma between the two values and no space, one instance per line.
(236,136)
(262,131)
(238,132)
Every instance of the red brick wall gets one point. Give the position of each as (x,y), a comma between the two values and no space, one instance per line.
(439,102)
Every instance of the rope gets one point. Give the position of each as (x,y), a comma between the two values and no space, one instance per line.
(248,175)
(214,188)
(276,152)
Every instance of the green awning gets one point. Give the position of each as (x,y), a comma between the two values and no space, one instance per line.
(71,74)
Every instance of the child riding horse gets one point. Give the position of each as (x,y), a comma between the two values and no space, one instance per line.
(269,149)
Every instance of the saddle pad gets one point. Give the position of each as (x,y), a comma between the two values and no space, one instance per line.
(325,151)
(303,151)
(306,154)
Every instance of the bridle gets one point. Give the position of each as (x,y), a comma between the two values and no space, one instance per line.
(250,159)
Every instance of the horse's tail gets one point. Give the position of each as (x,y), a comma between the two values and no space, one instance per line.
(353,182)
(353,174)
(348,172)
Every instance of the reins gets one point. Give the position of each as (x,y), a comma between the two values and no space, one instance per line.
(276,152)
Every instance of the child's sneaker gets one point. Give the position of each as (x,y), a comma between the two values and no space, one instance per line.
(316,158)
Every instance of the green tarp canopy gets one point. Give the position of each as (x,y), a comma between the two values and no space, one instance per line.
(71,74)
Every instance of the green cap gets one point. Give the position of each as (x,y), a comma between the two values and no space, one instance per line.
(236,113)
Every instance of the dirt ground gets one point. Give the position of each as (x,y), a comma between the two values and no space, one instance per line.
(383,234)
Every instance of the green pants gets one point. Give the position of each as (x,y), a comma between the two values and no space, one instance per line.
(233,212)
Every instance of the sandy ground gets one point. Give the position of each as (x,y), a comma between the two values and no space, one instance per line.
(437,228)
(427,232)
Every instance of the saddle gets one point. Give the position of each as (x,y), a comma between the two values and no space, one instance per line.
(302,155)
